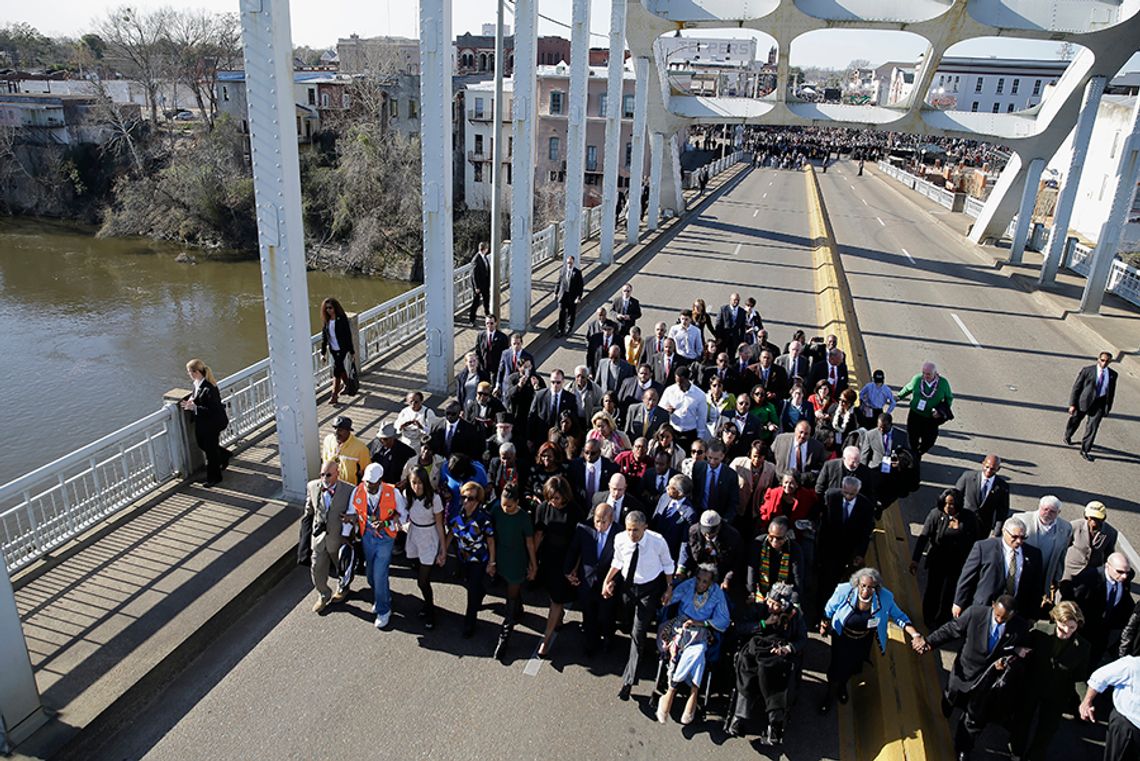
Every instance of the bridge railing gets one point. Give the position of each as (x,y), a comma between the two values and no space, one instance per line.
(689,179)
(51,505)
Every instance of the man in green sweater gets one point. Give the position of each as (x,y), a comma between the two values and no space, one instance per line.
(929,409)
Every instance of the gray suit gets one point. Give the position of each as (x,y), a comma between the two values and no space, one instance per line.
(782,449)
(609,377)
(326,529)
(589,399)
(872,452)
(1053,545)
(637,414)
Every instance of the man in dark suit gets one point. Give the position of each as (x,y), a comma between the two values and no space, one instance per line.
(633,390)
(646,418)
(885,451)
(625,311)
(454,434)
(794,363)
(548,404)
(986,494)
(598,345)
(798,452)
(481,410)
(721,368)
(511,361)
(656,478)
(655,344)
(744,378)
(568,293)
(666,363)
(991,635)
(763,344)
(714,483)
(613,371)
(833,369)
(845,527)
(833,472)
(490,345)
(594,326)
(1093,393)
(480,282)
(674,514)
(1102,593)
(713,541)
(774,377)
(747,427)
(987,575)
(730,322)
(617,496)
(518,396)
(590,473)
(390,452)
(587,563)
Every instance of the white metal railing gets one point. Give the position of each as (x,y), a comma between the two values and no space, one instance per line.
(49,506)
(1123,279)
(973,207)
(689,179)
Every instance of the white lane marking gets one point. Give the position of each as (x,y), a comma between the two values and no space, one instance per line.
(881,222)
(966,330)
(769,184)
(851,186)
(755,213)
(535,663)
(908,256)
(737,251)
(864,200)
(764,196)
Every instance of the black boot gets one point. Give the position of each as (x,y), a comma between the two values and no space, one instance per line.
(501,646)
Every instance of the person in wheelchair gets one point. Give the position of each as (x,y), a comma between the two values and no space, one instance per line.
(686,637)
(769,663)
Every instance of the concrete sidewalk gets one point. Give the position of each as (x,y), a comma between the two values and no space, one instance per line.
(111,618)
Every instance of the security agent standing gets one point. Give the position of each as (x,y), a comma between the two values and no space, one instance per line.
(326,502)
(568,294)
(643,559)
(1091,397)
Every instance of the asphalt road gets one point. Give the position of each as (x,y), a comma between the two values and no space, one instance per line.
(285,683)
(922,293)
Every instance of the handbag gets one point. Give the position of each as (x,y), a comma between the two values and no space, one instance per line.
(351,379)
(944,411)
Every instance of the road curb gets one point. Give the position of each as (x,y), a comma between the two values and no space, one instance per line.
(895,715)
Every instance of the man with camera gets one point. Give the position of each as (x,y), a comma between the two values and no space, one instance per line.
(326,501)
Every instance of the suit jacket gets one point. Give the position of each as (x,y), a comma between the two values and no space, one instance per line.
(393,459)
(983,577)
(636,417)
(633,312)
(481,271)
(840,540)
(710,371)
(314,515)
(777,384)
(518,400)
(507,366)
(833,472)
(748,432)
(724,494)
(583,556)
(660,374)
(466,439)
(651,350)
(973,627)
(743,379)
(589,400)
(800,367)
(994,510)
(485,426)
(490,354)
(631,392)
(782,452)
(544,414)
(569,288)
(819,371)
(210,417)
(1084,389)
(576,473)
(727,553)
(596,350)
(629,503)
(1089,590)
(611,375)
(461,383)
(675,528)
(872,451)
(730,326)
(343,330)
(649,491)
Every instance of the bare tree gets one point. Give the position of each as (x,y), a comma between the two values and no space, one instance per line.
(137,41)
(201,43)
(123,123)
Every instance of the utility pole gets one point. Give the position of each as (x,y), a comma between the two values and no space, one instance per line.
(497,168)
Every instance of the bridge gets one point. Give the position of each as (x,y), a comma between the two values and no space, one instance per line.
(135,574)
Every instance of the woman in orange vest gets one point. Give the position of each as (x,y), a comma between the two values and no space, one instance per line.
(380,511)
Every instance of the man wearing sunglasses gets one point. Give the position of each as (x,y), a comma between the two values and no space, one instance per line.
(1002,565)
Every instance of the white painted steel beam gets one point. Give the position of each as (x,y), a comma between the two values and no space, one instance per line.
(656,160)
(523,116)
(1025,210)
(576,127)
(20,710)
(1109,239)
(1067,195)
(637,159)
(435,147)
(268,54)
(497,168)
(614,108)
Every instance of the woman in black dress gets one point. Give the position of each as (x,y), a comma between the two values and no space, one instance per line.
(567,435)
(950,532)
(210,419)
(554,523)
(336,336)
(549,462)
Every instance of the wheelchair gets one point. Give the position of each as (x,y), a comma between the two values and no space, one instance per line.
(718,645)
(794,682)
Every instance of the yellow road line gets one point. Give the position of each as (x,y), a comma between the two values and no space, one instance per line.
(895,714)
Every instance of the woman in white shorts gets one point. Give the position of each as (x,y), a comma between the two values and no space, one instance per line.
(426,544)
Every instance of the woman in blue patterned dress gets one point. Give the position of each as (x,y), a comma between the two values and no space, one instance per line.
(473,533)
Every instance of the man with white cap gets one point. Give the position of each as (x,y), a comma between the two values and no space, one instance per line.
(715,542)
(1093,540)
(326,502)
(388,451)
(379,510)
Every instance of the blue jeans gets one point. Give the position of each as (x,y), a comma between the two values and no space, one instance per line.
(377,558)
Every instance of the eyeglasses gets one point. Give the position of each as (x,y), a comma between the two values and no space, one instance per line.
(327,475)
(697,451)
(1016,537)
(471,498)
(555,383)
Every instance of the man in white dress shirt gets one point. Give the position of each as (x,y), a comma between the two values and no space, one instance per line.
(687,407)
(687,337)
(643,559)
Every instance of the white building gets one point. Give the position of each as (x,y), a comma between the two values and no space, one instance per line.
(696,51)
(992,85)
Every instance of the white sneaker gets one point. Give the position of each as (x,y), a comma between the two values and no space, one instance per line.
(382,621)
(372,609)
(662,714)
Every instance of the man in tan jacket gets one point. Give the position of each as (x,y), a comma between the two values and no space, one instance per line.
(327,498)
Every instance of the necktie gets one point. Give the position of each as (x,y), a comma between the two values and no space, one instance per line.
(1011,575)
(1112,585)
(591,482)
(995,635)
(710,495)
(514,360)
(450,434)
(985,489)
(831,375)
(659,346)
(1101,385)
(660,483)
(554,407)
(629,574)
(799,457)
(668,365)
(848,506)
(601,543)
(489,340)
(645,422)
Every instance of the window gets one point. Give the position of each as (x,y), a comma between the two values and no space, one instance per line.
(478,145)
(324,100)
(1000,85)
(557,176)
(1009,109)
(591,158)
(974,106)
(510,146)
(1037,87)
(628,153)
(555,102)
(478,173)
(394,109)
(312,96)
(508,173)
(997,107)
(479,106)
(345,101)
(552,151)
(978,84)
(225,93)
(413,108)
(627,107)
(602,100)
(1013,87)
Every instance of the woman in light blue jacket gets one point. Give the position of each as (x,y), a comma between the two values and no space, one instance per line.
(857,613)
